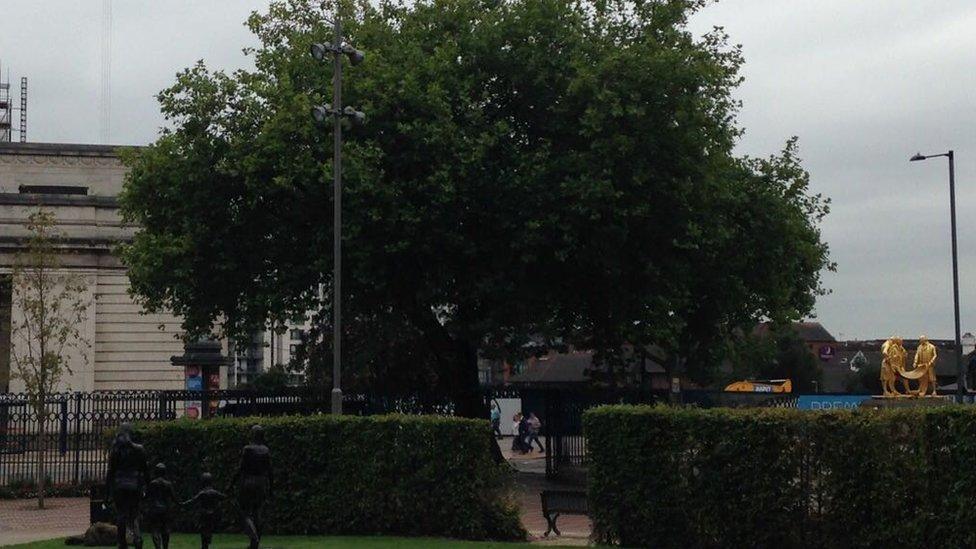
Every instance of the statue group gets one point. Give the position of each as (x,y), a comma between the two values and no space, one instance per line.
(136,496)
(893,368)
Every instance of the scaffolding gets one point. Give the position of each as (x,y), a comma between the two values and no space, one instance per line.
(23,109)
(7,109)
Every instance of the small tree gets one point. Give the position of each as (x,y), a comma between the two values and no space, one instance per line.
(52,307)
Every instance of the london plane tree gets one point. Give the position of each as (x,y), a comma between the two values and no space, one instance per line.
(561,171)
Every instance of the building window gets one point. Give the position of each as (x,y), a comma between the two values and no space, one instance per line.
(52,189)
(297,335)
(293,349)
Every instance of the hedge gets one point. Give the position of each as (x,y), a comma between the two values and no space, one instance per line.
(671,477)
(414,476)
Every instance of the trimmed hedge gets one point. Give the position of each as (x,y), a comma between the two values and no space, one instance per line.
(672,477)
(403,475)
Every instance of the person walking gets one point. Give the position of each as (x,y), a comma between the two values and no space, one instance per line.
(535,426)
(523,434)
(517,442)
(496,419)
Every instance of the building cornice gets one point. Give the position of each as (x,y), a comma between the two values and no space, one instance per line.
(17,199)
(60,154)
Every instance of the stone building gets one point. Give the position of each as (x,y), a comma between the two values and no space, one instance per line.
(126,349)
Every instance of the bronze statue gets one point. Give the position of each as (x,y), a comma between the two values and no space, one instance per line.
(127,475)
(256,484)
(209,500)
(160,501)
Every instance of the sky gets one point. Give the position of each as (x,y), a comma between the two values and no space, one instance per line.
(864,85)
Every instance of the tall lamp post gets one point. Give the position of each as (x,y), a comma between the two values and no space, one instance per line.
(960,376)
(322,113)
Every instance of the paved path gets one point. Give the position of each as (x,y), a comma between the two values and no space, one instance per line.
(575,528)
(21,521)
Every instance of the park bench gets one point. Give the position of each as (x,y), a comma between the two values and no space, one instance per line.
(559,502)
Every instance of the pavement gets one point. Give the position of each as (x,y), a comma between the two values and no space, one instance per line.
(530,482)
(21,521)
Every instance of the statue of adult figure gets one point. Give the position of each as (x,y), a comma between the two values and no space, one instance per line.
(128,473)
(256,483)
(893,366)
(925,356)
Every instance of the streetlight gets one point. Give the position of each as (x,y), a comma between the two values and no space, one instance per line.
(960,376)
(320,114)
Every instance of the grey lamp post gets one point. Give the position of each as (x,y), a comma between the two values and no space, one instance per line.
(960,376)
(321,113)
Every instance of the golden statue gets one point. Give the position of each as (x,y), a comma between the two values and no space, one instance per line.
(893,366)
(925,357)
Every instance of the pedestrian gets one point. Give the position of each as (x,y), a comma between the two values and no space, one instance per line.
(523,434)
(516,421)
(496,419)
(535,426)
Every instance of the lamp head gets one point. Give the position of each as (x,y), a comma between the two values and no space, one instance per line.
(319,51)
(355,56)
(321,113)
(917,157)
(358,118)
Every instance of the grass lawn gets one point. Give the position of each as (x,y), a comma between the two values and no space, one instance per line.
(236,541)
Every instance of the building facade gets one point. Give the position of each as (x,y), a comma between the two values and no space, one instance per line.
(124,347)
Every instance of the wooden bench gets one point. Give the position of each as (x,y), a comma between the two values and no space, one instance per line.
(559,502)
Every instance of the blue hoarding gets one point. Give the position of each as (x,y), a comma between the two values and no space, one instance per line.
(829,402)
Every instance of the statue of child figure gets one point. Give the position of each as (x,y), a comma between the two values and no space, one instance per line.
(209,500)
(160,501)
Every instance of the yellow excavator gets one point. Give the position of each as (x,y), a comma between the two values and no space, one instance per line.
(761,386)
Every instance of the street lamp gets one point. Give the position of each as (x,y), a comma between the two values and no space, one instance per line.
(960,376)
(320,114)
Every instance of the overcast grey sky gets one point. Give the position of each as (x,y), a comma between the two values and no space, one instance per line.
(864,84)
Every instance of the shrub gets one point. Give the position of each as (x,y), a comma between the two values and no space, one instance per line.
(668,477)
(419,475)
(26,488)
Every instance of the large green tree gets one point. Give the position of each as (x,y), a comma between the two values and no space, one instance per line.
(777,352)
(554,169)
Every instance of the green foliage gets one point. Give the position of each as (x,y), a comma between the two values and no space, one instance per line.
(667,477)
(233,541)
(406,475)
(274,378)
(779,353)
(866,379)
(53,307)
(528,168)
(25,488)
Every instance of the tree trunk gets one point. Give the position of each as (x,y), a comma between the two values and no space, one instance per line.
(42,446)
(468,400)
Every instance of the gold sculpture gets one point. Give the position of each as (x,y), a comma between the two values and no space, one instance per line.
(893,366)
